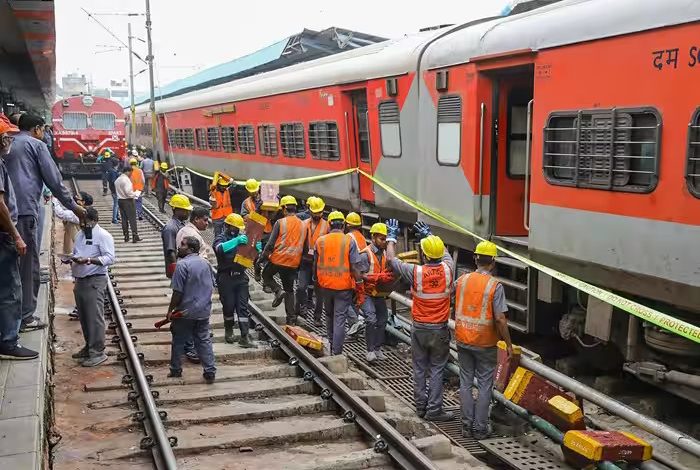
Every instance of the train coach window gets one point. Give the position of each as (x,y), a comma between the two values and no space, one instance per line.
(612,149)
(449,130)
(292,140)
(692,172)
(323,140)
(180,138)
(228,139)
(171,138)
(189,139)
(75,121)
(390,129)
(267,137)
(201,135)
(103,121)
(213,140)
(246,139)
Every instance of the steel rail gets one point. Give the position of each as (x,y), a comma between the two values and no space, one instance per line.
(663,431)
(387,438)
(157,440)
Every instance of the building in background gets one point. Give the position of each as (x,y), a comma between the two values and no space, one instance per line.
(74,84)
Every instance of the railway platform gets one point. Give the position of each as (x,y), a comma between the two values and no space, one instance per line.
(25,386)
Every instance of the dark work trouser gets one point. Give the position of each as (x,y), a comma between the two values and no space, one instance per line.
(161,196)
(185,330)
(10,293)
(376,316)
(29,268)
(147,183)
(287,276)
(105,183)
(89,293)
(337,303)
(430,350)
(303,284)
(233,293)
(115,208)
(127,209)
(257,265)
(479,363)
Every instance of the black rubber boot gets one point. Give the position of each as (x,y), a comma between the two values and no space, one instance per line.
(245,342)
(228,330)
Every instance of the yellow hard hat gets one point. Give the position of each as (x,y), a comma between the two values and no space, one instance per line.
(252,185)
(223,181)
(108,154)
(179,201)
(288,201)
(163,166)
(133,161)
(486,248)
(379,228)
(336,215)
(433,247)
(235,220)
(353,218)
(316,204)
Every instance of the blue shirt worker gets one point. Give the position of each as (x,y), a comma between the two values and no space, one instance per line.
(336,270)
(30,166)
(372,294)
(480,322)
(92,253)
(431,288)
(193,286)
(12,247)
(232,279)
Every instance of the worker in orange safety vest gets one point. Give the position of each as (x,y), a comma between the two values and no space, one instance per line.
(353,227)
(431,287)
(283,250)
(314,228)
(480,322)
(253,203)
(336,269)
(138,182)
(220,200)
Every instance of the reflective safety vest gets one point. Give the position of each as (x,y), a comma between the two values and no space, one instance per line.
(249,204)
(432,284)
(137,180)
(321,229)
(474,324)
(359,239)
(333,261)
(222,204)
(375,267)
(289,243)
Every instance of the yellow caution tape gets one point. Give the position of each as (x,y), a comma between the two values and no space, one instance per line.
(287,182)
(648,314)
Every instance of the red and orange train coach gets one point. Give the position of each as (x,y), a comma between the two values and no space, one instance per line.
(84,126)
(571,133)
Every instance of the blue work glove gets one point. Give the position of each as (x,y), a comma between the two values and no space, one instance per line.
(233,243)
(421,230)
(393,230)
(258,246)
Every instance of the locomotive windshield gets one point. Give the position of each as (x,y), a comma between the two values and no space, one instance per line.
(103,121)
(75,121)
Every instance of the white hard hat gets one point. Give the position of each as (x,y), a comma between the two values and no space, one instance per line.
(134,153)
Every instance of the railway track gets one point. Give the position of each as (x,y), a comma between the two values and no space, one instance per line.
(275,406)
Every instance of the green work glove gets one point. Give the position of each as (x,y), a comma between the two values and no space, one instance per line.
(258,246)
(233,243)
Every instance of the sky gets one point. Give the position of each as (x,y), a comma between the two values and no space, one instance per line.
(189,36)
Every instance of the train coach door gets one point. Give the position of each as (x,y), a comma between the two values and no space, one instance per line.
(359,140)
(513,92)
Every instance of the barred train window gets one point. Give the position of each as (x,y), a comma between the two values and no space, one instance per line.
(189,139)
(180,138)
(323,140)
(103,121)
(612,149)
(292,140)
(213,139)
(228,139)
(201,135)
(692,174)
(449,130)
(267,137)
(246,139)
(171,138)
(74,121)
(390,129)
